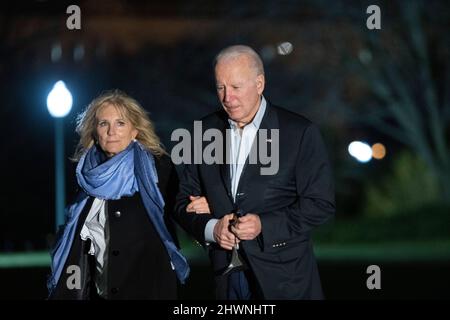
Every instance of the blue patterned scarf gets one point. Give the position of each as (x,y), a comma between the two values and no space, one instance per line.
(124,174)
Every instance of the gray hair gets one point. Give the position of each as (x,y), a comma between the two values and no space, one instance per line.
(235,51)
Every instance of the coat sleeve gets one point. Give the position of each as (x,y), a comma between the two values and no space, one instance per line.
(192,223)
(315,202)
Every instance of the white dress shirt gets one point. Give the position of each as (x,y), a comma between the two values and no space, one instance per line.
(240,146)
(94,229)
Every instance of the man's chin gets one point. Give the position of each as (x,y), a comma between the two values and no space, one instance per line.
(235,119)
(235,116)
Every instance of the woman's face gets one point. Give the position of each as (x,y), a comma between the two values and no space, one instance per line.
(114,131)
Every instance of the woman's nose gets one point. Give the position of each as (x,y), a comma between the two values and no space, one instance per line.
(111,130)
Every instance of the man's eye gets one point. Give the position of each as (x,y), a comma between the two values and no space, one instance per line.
(219,88)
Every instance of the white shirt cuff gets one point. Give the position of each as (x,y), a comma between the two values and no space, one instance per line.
(209,230)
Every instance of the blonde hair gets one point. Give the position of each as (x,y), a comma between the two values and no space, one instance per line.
(130,109)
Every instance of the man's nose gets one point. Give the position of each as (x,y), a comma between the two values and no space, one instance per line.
(226,95)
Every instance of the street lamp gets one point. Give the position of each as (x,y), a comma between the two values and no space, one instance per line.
(59,103)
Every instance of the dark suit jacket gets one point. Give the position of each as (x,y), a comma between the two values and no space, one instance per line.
(299,197)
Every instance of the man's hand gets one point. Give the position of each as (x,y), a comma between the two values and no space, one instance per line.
(222,234)
(248,227)
(198,205)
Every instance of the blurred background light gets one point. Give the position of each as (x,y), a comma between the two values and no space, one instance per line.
(56,52)
(378,151)
(78,52)
(360,151)
(285,48)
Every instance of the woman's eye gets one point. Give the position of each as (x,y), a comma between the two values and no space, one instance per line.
(121,123)
(102,124)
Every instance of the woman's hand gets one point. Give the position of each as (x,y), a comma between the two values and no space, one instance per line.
(198,205)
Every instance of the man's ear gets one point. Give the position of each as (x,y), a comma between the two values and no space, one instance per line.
(260,83)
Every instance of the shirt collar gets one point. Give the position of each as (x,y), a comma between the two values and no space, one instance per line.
(256,119)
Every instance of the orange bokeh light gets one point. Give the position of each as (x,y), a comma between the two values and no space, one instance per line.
(378,151)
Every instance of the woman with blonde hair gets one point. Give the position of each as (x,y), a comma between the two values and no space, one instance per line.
(118,241)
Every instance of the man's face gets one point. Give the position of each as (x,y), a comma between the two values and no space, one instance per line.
(239,88)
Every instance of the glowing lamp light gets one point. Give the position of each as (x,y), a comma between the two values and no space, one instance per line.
(59,100)
(360,151)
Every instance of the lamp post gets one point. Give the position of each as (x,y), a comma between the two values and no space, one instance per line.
(59,103)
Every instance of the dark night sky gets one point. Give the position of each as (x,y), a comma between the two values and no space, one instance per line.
(172,78)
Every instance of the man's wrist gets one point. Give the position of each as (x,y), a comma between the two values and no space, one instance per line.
(209,230)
